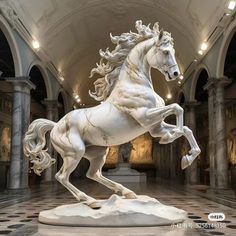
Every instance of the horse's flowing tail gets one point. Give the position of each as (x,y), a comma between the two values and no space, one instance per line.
(35,141)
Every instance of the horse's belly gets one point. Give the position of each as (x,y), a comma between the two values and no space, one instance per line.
(105,125)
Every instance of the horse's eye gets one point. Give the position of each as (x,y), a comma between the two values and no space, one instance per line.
(166,52)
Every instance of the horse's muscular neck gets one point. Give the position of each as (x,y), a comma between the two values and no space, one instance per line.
(136,64)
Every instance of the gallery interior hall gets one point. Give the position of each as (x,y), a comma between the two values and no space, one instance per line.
(49,49)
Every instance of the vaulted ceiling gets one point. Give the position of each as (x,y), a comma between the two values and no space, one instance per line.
(71,32)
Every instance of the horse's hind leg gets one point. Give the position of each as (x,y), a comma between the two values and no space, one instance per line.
(71,147)
(69,165)
(97,157)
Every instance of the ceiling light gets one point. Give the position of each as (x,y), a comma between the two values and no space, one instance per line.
(168,96)
(204,46)
(61,78)
(231,5)
(200,52)
(181,77)
(179,82)
(76,96)
(78,100)
(195,60)
(35,44)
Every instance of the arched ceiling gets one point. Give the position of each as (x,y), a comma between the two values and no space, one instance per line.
(71,32)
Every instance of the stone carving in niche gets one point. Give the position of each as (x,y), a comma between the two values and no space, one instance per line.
(142,150)
(5,144)
(112,156)
(124,152)
(231,144)
(138,152)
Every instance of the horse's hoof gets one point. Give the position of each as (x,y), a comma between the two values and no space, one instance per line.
(184,162)
(130,195)
(95,205)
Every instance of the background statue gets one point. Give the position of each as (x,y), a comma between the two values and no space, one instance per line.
(5,144)
(231,143)
(124,152)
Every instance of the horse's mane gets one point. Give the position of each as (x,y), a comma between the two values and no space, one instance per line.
(111,62)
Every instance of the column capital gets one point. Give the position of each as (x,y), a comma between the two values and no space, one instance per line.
(191,104)
(213,82)
(51,103)
(21,81)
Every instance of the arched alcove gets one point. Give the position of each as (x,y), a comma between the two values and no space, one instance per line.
(201,95)
(61,108)
(7,69)
(202,124)
(6,58)
(37,108)
(230,101)
(7,34)
(38,95)
(181,99)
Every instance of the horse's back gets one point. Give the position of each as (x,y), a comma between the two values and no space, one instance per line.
(104,125)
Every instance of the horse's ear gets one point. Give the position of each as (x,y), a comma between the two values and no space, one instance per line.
(161,34)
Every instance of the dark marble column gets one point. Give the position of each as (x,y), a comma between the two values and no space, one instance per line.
(18,177)
(52,114)
(217,133)
(191,173)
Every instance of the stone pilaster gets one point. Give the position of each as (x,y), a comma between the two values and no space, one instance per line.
(217,133)
(52,114)
(191,173)
(173,160)
(18,176)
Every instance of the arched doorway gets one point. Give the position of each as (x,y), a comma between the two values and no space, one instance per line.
(61,106)
(230,96)
(7,69)
(202,125)
(37,108)
(181,99)
(61,113)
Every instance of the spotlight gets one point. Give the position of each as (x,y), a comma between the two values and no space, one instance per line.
(200,52)
(35,44)
(168,96)
(231,5)
(204,46)
(181,77)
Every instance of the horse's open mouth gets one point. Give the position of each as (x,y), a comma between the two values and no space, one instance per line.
(168,75)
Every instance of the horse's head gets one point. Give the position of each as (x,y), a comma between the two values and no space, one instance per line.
(162,56)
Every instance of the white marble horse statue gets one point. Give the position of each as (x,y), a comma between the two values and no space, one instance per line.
(129,108)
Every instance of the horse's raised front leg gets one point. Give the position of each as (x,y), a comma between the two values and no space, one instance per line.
(163,128)
(156,115)
(97,157)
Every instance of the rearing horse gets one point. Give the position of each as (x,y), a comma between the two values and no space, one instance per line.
(129,108)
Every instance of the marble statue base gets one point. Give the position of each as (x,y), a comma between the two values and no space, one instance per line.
(124,174)
(115,212)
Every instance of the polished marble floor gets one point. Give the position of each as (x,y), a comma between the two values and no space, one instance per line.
(18,213)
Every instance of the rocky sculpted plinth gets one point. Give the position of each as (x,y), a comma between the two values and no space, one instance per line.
(116,212)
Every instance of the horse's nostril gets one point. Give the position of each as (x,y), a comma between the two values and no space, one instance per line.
(176,73)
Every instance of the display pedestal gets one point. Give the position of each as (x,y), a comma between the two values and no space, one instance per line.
(123,173)
(115,212)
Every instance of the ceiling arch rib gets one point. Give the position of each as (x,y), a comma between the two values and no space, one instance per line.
(72,31)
